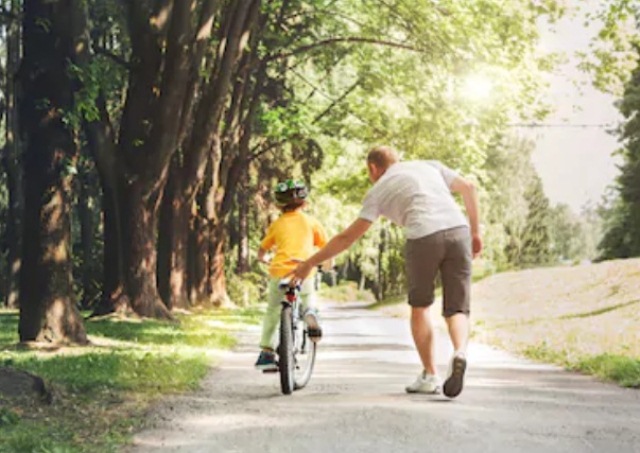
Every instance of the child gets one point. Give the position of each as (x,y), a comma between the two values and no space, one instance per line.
(295,236)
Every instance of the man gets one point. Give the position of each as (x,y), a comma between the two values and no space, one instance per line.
(417,195)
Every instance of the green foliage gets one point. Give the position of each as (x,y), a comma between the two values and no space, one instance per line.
(8,417)
(612,56)
(569,235)
(246,289)
(536,240)
(622,214)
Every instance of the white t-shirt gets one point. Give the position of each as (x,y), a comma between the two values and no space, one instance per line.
(415,195)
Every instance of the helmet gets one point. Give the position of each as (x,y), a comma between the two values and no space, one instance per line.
(290,192)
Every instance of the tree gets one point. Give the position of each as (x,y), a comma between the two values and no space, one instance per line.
(47,308)
(11,158)
(622,222)
(536,237)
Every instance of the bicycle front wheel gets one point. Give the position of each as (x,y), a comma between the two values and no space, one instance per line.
(286,359)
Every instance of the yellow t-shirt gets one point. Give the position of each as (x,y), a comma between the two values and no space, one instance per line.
(295,236)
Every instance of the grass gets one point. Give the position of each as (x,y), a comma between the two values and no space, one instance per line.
(584,318)
(610,367)
(101,392)
(346,292)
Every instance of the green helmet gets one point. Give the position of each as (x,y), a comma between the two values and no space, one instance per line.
(290,192)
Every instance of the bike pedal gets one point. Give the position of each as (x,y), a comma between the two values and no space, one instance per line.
(314,333)
(275,370)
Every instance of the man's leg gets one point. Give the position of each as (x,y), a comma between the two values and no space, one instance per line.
(459,331)
(423,257)
(422,330)
(456,283)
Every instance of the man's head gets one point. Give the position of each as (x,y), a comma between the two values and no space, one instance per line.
(291,195)
(379,160)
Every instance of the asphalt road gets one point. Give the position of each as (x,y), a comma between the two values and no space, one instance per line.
(356,402)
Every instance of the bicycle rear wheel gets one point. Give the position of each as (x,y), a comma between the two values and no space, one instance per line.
(286,359)
(305,356)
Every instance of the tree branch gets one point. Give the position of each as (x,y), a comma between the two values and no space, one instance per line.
(99,50)
(348,39)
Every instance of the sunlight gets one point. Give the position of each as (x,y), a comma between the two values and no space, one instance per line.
(477,87)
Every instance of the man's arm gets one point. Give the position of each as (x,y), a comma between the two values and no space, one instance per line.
(470,198)
(335,246)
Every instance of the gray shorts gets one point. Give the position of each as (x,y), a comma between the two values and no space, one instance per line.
(446,252)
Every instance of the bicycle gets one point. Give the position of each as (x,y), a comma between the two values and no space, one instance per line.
(296,351)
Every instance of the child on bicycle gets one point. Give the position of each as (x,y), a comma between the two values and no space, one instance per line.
(294,236)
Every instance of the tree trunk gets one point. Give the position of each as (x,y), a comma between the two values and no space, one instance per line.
(140,226)
(114,296)
(173,237)
(217,282)
(198,260)
(11,162)
(87,234)
(243,231)
(47,310)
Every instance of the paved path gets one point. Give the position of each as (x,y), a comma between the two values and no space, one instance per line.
(355,402)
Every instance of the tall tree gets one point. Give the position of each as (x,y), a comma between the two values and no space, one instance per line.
(622,235)
(11,157)
(48,306)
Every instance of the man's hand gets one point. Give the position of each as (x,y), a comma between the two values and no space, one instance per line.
(476,245)
(301,272)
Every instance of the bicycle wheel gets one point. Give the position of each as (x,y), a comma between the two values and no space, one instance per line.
(286,359)
(305,356)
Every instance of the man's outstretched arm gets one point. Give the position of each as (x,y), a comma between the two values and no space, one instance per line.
(470,198)
(335,246)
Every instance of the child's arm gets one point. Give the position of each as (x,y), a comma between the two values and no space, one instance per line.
(262,255)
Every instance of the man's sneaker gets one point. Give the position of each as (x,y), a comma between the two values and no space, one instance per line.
(425,383)
(266,361)
(455,378)
(313,325)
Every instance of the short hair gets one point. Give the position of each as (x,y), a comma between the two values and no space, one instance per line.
(382,156)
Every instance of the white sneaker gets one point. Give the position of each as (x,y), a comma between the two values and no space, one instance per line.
(455,377)
(425,383)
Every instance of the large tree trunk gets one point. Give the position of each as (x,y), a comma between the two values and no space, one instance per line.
(47,309)
(198,260)
(140,225)
(173,237)
(114,296)
(11,162)
(201,221)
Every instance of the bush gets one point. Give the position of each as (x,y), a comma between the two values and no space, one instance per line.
(247,289)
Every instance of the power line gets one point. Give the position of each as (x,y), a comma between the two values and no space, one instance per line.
(563,125)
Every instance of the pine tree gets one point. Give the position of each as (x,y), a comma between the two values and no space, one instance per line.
(536,242)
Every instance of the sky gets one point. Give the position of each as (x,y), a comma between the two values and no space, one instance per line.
(575,164)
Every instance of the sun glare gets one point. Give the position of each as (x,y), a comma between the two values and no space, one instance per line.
(477,87)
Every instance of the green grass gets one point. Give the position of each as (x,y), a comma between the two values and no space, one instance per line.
(102,391)
(610,367)
(346,292)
